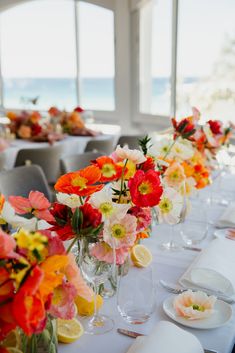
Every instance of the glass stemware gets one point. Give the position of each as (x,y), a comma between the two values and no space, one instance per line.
(95,272)
(136,296)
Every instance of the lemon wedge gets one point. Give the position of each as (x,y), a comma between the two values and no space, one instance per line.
(86,308)
(69,331)
(141,256)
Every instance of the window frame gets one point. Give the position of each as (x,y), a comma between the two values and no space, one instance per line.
(162,121)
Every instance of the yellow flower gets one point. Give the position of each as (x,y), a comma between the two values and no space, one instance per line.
(31,241)
(20,272)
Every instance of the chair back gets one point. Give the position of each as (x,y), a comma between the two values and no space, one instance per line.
(77,161)
(2,161)
(105,146)
(132,141)
(47,158)
(21,180)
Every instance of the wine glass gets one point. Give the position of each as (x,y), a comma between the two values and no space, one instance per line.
(96,272)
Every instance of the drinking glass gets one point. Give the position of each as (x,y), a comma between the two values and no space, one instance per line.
(136,295)
(194,229)
(95,272)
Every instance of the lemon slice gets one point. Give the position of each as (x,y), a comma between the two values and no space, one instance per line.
(141,256)
(12,340)
(69,331)
(86,308)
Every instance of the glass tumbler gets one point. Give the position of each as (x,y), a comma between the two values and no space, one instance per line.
(136,296)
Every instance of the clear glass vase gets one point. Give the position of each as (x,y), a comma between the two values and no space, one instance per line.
(46,341)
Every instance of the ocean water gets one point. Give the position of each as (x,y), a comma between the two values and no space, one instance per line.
(95,93)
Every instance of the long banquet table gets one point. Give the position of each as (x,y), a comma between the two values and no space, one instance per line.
(71,144)
(168,266)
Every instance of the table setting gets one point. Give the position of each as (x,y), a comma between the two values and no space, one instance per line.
(128,257)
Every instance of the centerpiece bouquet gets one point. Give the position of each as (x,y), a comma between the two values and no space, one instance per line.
(71,122)
(31,126)
(39,281)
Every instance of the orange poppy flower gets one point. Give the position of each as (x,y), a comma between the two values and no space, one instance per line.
(80,182)
(109,170)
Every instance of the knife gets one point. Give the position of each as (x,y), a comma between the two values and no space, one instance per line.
(134,334)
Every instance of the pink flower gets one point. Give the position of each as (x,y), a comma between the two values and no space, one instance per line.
(74,276)
(37,204)
(119,233)
(55,244)
(7,246)
(62,305)
(143,216)
(103,252)
(194,305)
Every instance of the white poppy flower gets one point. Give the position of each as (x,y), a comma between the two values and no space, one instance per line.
(70,200)
(135,156)
(170,206)
(9,216)
(102,200)
(161,148)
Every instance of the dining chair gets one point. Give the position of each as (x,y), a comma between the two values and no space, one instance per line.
(77,161)
(48,158)
(132,141)
(106,146)
(2,161)
(21,180)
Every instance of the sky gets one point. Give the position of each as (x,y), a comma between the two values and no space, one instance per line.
(37,38)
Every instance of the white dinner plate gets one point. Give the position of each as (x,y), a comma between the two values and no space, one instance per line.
(222,314)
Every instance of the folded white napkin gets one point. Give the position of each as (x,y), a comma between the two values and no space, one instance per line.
(228,217)
(213,268)
(166,338)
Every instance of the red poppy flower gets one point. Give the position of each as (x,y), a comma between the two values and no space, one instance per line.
(28,307)
(62,221)
(91,216)
(145,188)
(215,126)
(184,128)
(80,182)
(53,111)
(78,110)
(109,170)
(148,164)
(36,129)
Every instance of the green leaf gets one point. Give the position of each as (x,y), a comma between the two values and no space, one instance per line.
(144,144)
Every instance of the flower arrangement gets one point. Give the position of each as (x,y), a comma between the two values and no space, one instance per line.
(108,204)
(39,279)
(70,122)
(30,126)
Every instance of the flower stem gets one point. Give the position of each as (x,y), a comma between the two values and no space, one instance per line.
(71,245)
(122,180)
(170,148)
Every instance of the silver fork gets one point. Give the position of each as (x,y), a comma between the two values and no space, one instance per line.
(172,288)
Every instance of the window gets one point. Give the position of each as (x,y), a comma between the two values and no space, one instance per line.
(38,55)
(96,57)
(155,57)
(44,60)
(206,58)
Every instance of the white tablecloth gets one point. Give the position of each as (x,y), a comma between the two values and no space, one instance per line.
(71,144)
(168,266)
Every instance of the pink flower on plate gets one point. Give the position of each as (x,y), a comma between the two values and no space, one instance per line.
(194,305)
(119,233)
(62,305)
(36,203)
(74,276)
(7,246)
(103,252)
